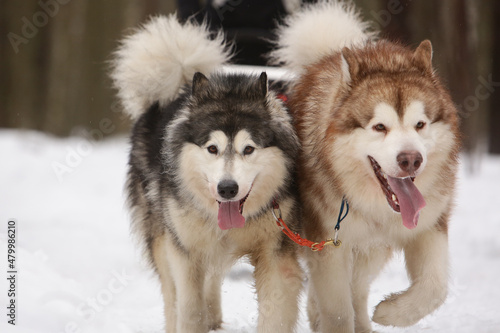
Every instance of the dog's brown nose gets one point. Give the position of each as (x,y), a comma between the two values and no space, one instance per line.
(410,161)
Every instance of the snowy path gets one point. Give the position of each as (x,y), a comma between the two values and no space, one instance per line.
(78,270)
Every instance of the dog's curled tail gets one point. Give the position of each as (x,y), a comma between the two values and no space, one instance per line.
(317,30)
(157,59)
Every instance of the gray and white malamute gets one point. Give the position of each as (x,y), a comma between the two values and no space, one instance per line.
(210,152)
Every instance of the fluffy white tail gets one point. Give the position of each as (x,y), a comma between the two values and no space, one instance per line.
(317,30)
(155,61)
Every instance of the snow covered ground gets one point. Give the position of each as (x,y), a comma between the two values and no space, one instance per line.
(78,270)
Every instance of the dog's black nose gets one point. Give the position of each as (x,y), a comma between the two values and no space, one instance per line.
(410,161)
(227,189)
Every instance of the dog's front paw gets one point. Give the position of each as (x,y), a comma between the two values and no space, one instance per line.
(394,311)
(407,308)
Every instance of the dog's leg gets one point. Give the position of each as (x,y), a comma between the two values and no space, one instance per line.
(278,280)
(167,283)
(366,268)
(188,273)
(213,298)
(330,277)
(427,266)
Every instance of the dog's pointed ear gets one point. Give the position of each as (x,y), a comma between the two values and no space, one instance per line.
(263,84)
(423,55)
(349,65)
(200,83)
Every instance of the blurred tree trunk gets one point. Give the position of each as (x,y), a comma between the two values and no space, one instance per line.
(66,82)
(494,114)
(21,65)
(460,46)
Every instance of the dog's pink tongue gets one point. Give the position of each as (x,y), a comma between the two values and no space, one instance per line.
(410,200)
(229,215)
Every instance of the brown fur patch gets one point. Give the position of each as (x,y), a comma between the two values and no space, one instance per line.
(442,223)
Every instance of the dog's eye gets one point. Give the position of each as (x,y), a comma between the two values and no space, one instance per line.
(380,128)
(212,149)
(420,125)
(248,150)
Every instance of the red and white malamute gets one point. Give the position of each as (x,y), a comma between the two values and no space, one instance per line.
(378,128)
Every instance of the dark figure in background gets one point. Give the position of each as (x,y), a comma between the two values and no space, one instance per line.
(249,23)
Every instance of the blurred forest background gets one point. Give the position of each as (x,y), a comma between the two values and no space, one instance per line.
(54,57)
